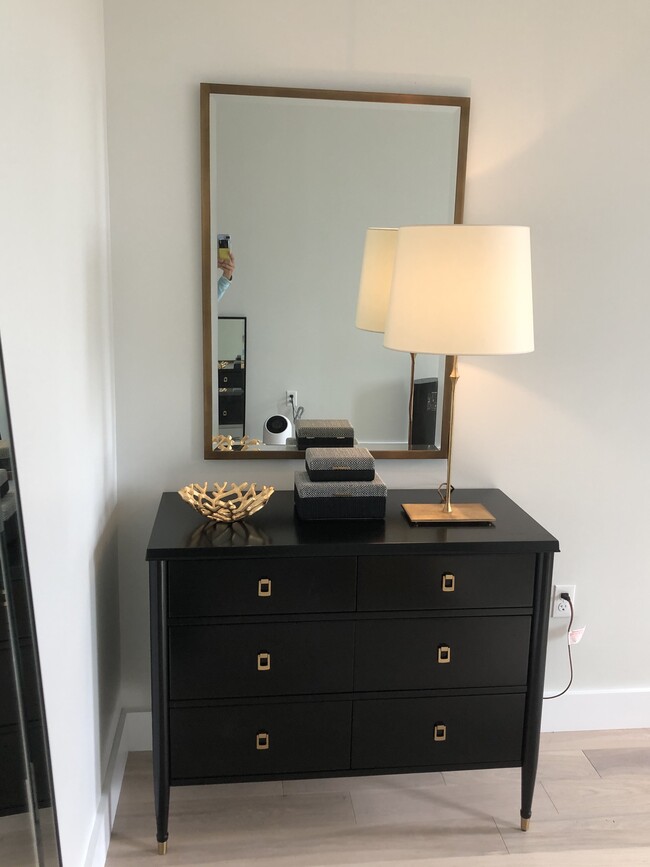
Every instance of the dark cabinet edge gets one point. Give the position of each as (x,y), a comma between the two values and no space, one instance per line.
(356,616)
(328,698)
(352,549)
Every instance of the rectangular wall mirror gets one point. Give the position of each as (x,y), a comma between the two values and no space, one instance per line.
(296,177)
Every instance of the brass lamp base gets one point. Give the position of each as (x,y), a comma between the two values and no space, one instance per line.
(434,513)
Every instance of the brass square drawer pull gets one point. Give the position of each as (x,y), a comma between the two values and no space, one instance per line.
(263,661)
(444,653)
(448,582)
(264,587)
(440,732)
(262,741)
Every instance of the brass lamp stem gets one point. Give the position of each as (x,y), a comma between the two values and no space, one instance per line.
(453,379)
(412,389)
(442,513)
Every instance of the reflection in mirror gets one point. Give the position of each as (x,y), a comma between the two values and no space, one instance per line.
(230,380)
(28,834)
(295,178)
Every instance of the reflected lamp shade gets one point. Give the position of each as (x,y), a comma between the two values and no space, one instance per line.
(461,290)
(376,279)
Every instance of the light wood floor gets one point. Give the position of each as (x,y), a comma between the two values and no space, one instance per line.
(591,809)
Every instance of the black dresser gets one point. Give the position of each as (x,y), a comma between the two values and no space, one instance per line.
(287,649)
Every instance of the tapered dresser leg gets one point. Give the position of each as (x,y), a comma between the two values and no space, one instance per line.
(159,698)
(534,698)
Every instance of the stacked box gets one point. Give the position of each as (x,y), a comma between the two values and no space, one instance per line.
(340,465)
(328,432)
(339,484)
(339,500)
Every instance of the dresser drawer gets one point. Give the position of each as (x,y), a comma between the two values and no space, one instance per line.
(229,378)
(437,732)
(260,659)
(441,653)
(259,739)
(458,581)
(274,586)
(231,408)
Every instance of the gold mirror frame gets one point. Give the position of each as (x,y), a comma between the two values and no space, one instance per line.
(463,103)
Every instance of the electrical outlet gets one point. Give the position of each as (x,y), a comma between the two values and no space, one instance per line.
(292,395)
(561,607)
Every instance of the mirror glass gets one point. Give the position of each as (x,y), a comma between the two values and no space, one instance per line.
(229,395)
(295,178)
(28,834)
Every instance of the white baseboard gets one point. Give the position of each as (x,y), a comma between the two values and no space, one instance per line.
(138,730)
(132,734)
(591,711)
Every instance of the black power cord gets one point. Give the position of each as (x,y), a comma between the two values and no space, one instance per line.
(566,689)
(296,411)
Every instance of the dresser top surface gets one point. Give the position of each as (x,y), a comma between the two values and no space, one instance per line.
(179,532)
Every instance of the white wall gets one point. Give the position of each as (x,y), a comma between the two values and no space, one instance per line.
(56,332)
(558,140)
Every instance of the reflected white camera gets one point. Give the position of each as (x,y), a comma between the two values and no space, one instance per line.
(277,430)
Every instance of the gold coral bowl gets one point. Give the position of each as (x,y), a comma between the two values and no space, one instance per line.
(225,504)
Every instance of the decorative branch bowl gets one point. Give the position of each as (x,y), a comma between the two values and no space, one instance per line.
(226,505)
(221,443)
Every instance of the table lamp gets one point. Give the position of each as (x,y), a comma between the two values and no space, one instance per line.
(374,291)
(460,290)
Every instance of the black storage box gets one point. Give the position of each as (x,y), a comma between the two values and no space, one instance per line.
(340,465)
(327,501)
(425,411)
(325,432)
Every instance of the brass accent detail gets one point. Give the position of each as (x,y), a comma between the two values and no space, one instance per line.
(262,741)
(264,587)
(263,661)
(444,654)
(222,443)
(162,848)
(440,732)
(445,513)
(434,513)
(226,504)
(525,824)
(448,582)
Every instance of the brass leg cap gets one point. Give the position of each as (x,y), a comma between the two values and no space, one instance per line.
(525,824)
(162,848)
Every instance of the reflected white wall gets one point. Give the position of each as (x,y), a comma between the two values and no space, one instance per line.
(296,183)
